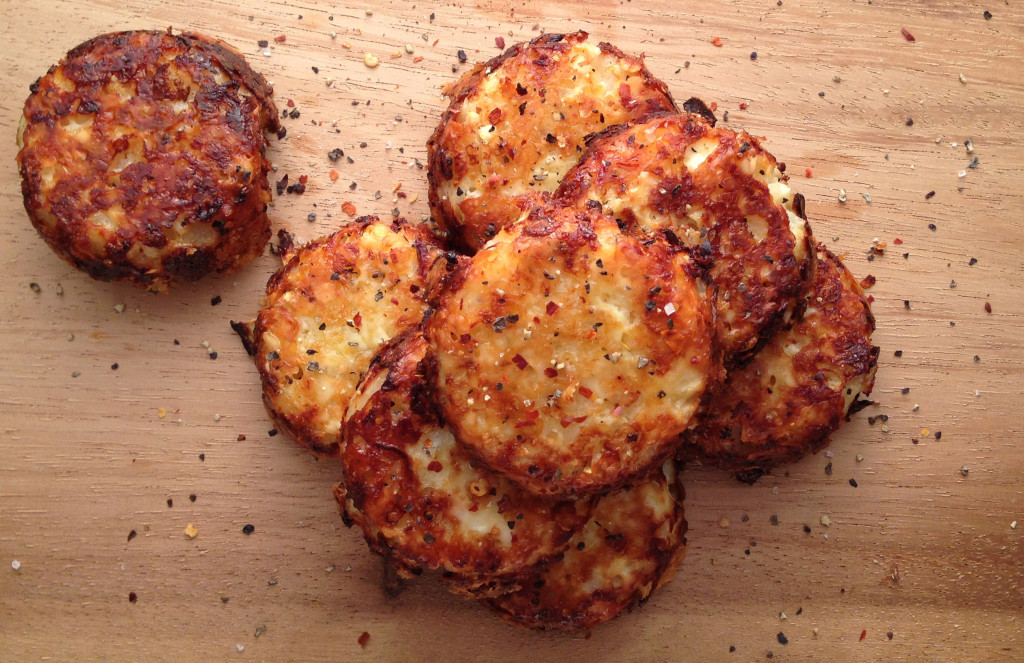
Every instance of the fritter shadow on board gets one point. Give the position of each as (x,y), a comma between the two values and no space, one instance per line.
(629,547)
(327,312)
(142,158)
(517,123)
(712,187)
(423,502)
(570,354)
(796,391)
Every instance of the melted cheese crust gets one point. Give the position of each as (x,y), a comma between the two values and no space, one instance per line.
(142,158)
(795,392)
(713,187)
(571,354)
(627,549)
(423,501)
(517,124)
(328,311)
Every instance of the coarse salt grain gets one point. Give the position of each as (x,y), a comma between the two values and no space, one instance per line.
(17,565)
(670,308)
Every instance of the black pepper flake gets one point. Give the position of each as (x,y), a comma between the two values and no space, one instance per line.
(248,529)
(906,304)
(773,519)
(170,502)
(462,55)
(272,432)
(202,457)
(316,70)
(987,15)
(807,529)
(972,262)
(781,637)
(938,435)
(132,597)
(114,366)
(929,195)
(905,390)
(428,538)
(932,227)
(910,121)
(35,287)
(313,366)
(889,635)
(731,649)
(281,133)
(216,300)
(551,139)
(853,482)
(744,147)
(828,468)
(898,353)
(753,55)
(213,355)
(192,497)
(263,43)
(132,534)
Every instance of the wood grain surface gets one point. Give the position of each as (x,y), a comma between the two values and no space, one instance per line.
(112,420)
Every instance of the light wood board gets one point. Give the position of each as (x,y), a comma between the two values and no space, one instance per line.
(85,460)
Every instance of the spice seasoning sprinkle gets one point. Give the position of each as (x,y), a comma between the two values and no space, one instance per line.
(248,529)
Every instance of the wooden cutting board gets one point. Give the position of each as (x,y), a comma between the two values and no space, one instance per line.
(119,420)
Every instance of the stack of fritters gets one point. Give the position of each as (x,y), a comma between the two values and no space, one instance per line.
(511,415)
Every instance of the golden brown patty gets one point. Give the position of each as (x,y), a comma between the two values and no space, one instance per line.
(794,392)
(570,354)
(142,157)
(517,123)
(328,311)
(708,185)
(422,501)
(627,549)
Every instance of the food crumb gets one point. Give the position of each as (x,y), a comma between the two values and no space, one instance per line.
(723,522)
(191,531)
(826,521)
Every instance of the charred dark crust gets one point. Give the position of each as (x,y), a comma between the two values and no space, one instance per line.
(197,181)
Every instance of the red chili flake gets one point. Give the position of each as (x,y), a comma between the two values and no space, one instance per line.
(551,308)
(867,281)
(864,633)
(743,105)
(303,179)
(717,41)
(499,42)
(241,437)
(617,411)
(567,421)
(364,638)
(435,466)
(348,208)
(418,58)
(494,116)
(520,362)
(907,35)
(714,105)
(871,299)
(358,320)
(808,173)
(550,372)
(280,39)
(585,393)
(897,241)
(988,307)
(334,175)
(291,103)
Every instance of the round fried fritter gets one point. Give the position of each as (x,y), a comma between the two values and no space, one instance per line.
(794,393)
(517,123)
(707,185)
(143,158)
(328,311)
(571,354)
(628,548)
(424,502)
